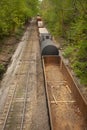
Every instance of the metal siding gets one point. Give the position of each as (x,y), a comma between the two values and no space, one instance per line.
(48,48)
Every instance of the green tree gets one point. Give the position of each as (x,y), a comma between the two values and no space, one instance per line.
(14,13)
(68,19)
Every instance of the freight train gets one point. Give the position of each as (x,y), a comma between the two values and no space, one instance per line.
(47,45)
(61,90)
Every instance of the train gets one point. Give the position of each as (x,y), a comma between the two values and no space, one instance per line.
(46,41)
(61,89)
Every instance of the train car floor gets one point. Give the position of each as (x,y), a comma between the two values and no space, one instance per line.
(65,112)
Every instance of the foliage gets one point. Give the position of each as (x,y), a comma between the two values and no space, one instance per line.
(80,69)
(14,13)
(2,70)
(68,19)
(68,51)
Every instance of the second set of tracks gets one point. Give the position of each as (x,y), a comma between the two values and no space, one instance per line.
(16,108)
(25,103)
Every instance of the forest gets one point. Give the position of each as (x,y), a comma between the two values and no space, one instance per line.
(14,13)
(14,17)
(67,19)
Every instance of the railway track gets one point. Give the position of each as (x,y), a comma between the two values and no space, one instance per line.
(21,108)
(16,105)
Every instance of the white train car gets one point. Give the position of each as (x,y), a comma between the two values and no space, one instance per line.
(44,34)
(43,31)
(40,24)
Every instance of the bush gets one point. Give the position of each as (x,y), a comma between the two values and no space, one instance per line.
(2,70)
(68,51)
(14,13)
(80,69)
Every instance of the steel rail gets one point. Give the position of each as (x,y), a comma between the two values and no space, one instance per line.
(25,101)
(6,118)
(26,91)
(12,99)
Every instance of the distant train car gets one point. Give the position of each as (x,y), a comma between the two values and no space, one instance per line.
(43,31)
(44,34)
(48,48)
(40,24)
(46,43)
(39,18)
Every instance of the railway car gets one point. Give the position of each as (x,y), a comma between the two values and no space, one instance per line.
(38,19)
(47,45)
(43,31)
(40,24)
(44,34)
